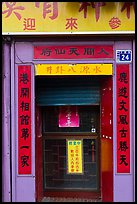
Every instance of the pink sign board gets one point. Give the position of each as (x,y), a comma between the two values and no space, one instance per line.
(73,52)
(68,116)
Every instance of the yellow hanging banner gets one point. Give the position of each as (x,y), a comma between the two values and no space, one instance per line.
(73,69)
(75,159)
(67,17)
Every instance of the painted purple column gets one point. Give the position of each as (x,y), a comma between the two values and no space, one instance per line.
(23,186)
(13,125)
(133,130)
(123,183)
(6,185)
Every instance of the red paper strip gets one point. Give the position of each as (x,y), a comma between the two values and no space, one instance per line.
(123,119)
(24,119)
(73,52)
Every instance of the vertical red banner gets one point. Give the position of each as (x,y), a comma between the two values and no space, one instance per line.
(123,119)
(24,119)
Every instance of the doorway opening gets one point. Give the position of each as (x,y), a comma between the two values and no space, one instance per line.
(58,140)
(55,177)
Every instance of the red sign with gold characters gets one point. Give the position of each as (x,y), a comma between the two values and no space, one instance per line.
(73,52)
(123,119)
(24,119)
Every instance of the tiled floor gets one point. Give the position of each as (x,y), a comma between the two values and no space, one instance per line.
(57,199)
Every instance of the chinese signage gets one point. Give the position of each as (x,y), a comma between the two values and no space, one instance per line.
(68,116)
(123,119)
(73,52)
(67,17)
(75,159)
(124,56)
(24,119)
(73,69)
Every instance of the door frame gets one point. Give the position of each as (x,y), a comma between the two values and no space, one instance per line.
(106,148)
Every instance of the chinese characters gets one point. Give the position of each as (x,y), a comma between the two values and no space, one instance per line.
(75,157)
(70,69)
(68,116)
(123,119)
(12,8)
(48,8)
(73,52)
(24,119)
(51,16)
(95,5)
(71,23)
(29,24)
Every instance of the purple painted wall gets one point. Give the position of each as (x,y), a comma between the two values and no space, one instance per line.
(6,170)
(23,187)
(123,183)
(133,111)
